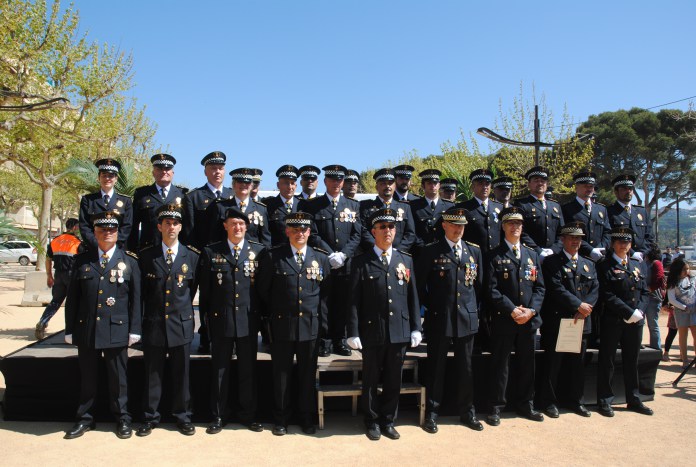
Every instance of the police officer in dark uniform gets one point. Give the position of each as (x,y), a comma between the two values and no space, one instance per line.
(106,199)
(338,229)
(168,272)
(624,291)
(405,236)
(309,180)
(516,290)
(148,199)
(384,318)
(255,184)
(404,173)
(592,214)
(201,217)
(230,299)
(103,315)
(572,290)
(295,292)
(483,212)
(624,214)
(351,184)
(428,209)
(448,189)
(284,203)
(449,277)
(502,188)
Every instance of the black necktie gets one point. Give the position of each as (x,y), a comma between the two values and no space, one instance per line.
(163,194)
(432,205)
(106,199)
(218,194)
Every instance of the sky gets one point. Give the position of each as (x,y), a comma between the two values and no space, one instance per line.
(360,83)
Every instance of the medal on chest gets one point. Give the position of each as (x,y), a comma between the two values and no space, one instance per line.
(470,272)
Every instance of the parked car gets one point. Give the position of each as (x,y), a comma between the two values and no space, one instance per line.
(18,251)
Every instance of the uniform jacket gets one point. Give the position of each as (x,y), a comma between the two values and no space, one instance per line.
(427,219)
(100,311)
(449,289)
(336,230)
(567,288)
(257,230)
(483,228)
(596,224)
(638,221)
(511,283)
(201,215)
(622,289)
(277,210)
(92,204)
(167,296)
(146,201)
(384,305)
(229,294)
(541,227)
(295,300)
(409,197)
(405,236)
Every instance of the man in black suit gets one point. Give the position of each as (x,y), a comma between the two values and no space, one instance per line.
(351,184)
(170,282)
(592,214)
(516,290)
(624,291)
(502,188)
(449,277)
(106,199)
(284,203)
(148,199)
(448,189)
(405,236)
(572,290)
(255,184)
(230,299)
(102,315)
(624,214)
(384,318)
(543,218)
(404,173)
(483,213)
(338,229)
(428,209)
(295,292)
(309,180)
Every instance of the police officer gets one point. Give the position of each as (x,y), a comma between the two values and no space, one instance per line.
(338,231)
(592,214)
(405,236)
(106,199)
(624,214)
(502,188)
(483,213)
(148,199)
(543,218)
(572,290)
(448,189)
(255,184)
(284,203)
(404,173)
(102,315)
(428,209)
(229,297)
(168,272)
(384,318)
(449,277)
(61,253)
(516,290)
(351,184)
(309,180)
(295,295)
(623,289)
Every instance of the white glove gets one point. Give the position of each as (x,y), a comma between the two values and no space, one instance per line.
(68,339)
(354,343)
(336,260)
(416,338)
(638,255)
(635,317)
(546,252)
(133,339)
(597,253)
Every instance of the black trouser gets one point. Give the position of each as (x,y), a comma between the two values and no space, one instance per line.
(671,334)
(553,361)
(155,358)
(522,343)
(61,281)
(338,310)
(437,363)
(221,356)
(387,360)
(116,364)
(282,355)
(615,331)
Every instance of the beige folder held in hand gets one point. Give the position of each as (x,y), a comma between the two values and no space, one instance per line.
(570,336)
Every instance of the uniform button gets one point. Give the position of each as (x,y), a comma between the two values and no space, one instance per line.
(169,278)
(633,288)
(578,288)
(214,314)
(279,316)
(300,302)
(390,300)
(300,289)
(389,287)
(101,278)
(236,269)
(80,320)
(101,292)
(336,239)
(169,291)
(236,282)
(300,313)
(99,305)
(391,313)
(458,281)
(459,306)
(369,322)
(236,308)
(98,318)
(236,295)
(387,274)
(520,280)
(458,294)
(166,304)
(166,316)
(521,293)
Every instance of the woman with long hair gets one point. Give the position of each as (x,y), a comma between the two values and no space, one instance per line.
(681,293)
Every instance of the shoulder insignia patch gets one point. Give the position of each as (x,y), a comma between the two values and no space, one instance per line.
(130,253)
(194,249)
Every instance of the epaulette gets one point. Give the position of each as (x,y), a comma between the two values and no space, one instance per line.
(262,204)
(131,254)
(472,244)
(255,243)
(432,243)
(600,204)
(586,257)
(183,189)
(320,250)
(637,205)
(149,247)
(527,247)
(194,249)
(403,252)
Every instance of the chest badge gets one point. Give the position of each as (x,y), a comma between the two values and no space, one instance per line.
(111,301)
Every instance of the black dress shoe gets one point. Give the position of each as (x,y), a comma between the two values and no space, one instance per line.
(430,425)
(79,429)
(309,429)
(390,432)
(279,430)
(186,428)
(123,429)
(552,411)
(254,426)
(493,419)
(145,429)
(215,426)
(343,350)
(472,422)
(531,414)
(582,411)
(324,352)
(640,408)
(605,410)
(373,432)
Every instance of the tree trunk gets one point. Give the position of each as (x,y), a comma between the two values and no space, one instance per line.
(44,219)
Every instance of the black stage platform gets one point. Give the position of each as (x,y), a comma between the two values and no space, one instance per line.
(42,382)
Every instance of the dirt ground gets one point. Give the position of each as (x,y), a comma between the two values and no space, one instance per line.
(626,439)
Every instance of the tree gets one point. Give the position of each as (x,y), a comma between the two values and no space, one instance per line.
(656,147)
